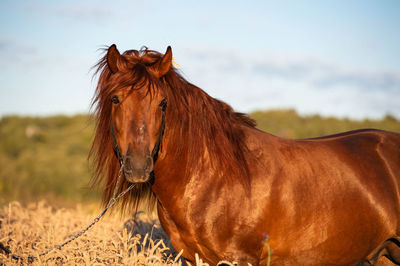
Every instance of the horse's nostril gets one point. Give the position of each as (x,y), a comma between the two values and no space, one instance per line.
(138,164)
(149,164)
(128,163)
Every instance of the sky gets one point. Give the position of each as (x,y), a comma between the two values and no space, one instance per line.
(335,58)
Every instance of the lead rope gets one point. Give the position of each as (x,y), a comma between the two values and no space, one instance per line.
(112,201)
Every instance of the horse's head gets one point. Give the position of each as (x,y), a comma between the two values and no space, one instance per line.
(137,109)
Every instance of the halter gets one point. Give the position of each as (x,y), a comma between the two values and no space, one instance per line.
(157,146)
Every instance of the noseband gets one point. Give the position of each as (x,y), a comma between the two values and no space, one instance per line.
(157,146)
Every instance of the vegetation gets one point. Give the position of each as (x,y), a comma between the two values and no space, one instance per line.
(46,157)
(289,124)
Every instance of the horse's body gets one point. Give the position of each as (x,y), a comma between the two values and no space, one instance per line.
(221,184)
(331,200)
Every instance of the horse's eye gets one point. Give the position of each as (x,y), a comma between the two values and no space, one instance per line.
(115,100)
(163,104)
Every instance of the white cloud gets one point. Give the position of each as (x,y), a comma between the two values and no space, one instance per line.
(262,81)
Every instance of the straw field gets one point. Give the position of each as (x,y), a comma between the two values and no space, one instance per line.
(112,241)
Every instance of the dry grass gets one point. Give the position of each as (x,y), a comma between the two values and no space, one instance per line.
(34,229)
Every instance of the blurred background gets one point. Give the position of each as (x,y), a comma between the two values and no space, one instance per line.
(300,68)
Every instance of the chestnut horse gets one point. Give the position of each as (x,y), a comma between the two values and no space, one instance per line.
(220,184)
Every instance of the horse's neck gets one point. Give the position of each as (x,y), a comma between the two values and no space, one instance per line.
(185,161)
(174,173)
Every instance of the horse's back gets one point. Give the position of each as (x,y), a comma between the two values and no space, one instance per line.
(329,193)
(369,156)
(368,150)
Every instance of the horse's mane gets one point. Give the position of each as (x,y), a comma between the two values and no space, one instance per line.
(194,122)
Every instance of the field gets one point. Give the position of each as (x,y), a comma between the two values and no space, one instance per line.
(44,159)
(112,241)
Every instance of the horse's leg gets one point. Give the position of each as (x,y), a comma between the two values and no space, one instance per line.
(389,249)
(393,250)
(383,261)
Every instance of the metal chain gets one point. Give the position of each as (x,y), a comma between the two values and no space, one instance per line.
(112,201)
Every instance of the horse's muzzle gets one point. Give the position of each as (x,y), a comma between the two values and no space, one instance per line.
(138,167)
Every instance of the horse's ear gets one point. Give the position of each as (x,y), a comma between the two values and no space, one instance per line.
(164,64)
(113,56)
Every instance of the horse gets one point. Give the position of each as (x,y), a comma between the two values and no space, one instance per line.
(222,187)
